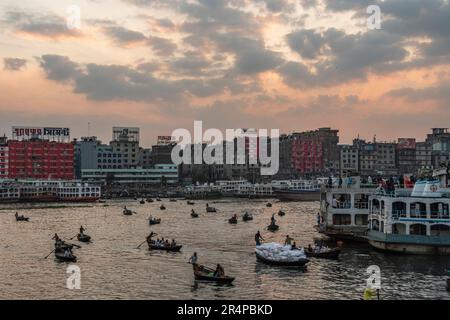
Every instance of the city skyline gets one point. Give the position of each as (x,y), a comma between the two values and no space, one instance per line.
(292,65)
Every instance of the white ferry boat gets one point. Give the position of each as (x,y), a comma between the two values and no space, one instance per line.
(416,222)
(344,210)
(48,191)
(297,190)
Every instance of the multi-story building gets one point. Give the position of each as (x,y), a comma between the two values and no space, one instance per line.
(145,158)
(349,159)
(376,158)
(4,158)
(41,159)
(126,143)
(424,153)
(316,152)
(406,156)
(439,139)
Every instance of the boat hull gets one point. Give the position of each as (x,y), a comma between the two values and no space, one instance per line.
(299,263)
(409,248)
(330,254)
(223,280)
(169,249)
(286,195)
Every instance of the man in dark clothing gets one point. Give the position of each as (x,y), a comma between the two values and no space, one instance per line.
(258,238)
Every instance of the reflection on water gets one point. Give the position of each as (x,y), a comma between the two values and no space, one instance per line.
(113,268)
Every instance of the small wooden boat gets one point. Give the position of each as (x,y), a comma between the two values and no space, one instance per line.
(154,221)
(203,273)
(233,220)
(62,257)
(298,263)
(149,200)
(211,209)
(273,227)
(83,237)
(268,205)
(172,200)
(127,212)
(158,199)
(194,215)
(154,246)
(247,217)
(142,201)
(22,218)
(162,207)
(191,203)
(281,213)
(327,253)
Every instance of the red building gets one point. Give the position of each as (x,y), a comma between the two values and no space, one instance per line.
(315,152)
(41,159)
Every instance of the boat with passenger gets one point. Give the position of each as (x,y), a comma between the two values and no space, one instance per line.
(415,221)
(297,190)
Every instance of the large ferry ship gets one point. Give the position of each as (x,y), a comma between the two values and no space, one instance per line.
(297,190)
(47,191)
(415,222)
(344,209)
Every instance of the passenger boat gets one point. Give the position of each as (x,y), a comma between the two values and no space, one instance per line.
(298,190)
(127,212)
(62,257)
(325,253)
(203,273)
(22,218)
(153,221)
(297,263)
(345,210)
(417,222)
(154,246)
(48,191)
(83,237)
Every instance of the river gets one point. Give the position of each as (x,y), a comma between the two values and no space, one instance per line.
(113,268)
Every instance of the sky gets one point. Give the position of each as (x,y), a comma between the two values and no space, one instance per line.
(292,65)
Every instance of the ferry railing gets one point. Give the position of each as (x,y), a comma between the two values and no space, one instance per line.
(439,215)
(362,205)
(418,214)
(342,205)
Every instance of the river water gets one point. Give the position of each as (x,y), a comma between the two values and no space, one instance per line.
(113,268)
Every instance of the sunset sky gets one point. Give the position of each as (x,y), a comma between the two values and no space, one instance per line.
(289,64)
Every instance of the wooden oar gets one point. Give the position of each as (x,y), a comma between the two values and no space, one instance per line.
(49,254)
(75,245)
(73,237)
(141,244)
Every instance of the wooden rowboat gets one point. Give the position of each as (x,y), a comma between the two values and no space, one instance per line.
(233,220)
(273,227)
(61,257)
(154,221)
(164,248)
(206,274)
(324,254)
(83,237)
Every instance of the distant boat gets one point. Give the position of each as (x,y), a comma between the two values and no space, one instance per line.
(298,190)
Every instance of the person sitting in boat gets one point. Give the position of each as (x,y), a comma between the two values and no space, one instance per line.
(288,241)
(258,238)
(82,230)
(310,249)
(193,259)
(67,253)
(294,246)
(17,215)
(167,243)
(220,272)
(173,243)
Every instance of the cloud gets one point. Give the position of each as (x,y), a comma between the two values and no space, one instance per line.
(123,36)
(14,64)
(59,68)
(45,26)
(161,46)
